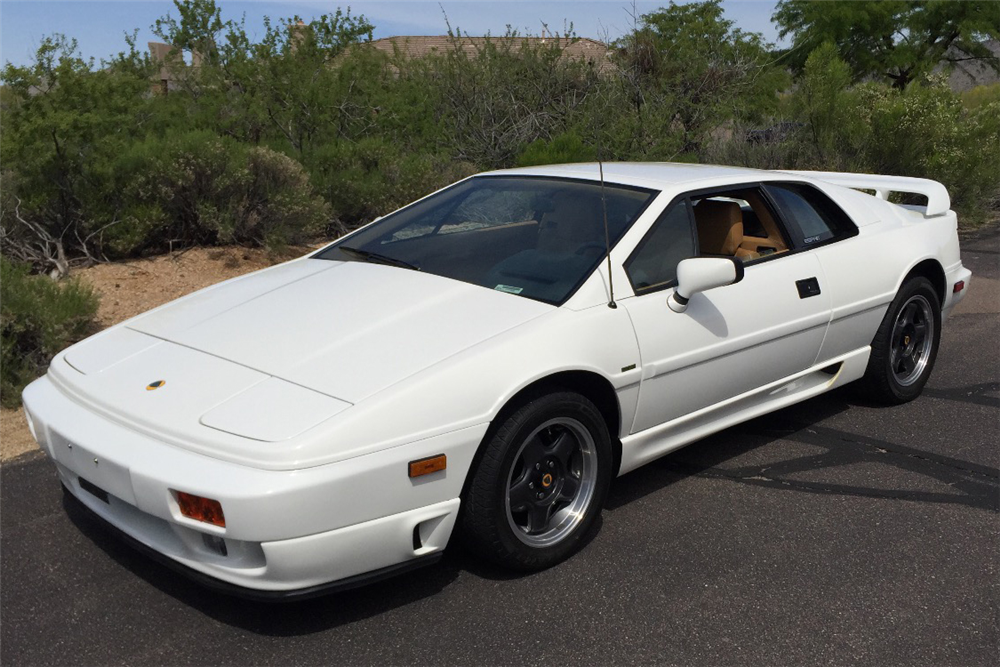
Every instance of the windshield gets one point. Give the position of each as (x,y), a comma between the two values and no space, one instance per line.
(536,237)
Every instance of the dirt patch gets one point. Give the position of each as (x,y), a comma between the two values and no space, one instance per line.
(130,288)
(15,438)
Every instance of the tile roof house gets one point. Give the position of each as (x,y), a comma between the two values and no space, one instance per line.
(582,48)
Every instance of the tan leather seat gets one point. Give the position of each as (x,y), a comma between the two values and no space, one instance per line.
(720,227)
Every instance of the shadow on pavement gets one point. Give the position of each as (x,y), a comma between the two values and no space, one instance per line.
(974,486)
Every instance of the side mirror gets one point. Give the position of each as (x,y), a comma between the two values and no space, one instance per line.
(699,274)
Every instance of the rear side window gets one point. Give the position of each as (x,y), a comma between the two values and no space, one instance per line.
(810,214)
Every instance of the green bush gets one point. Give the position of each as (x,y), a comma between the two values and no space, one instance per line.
(374,176)
(39,318)
(200,189)
(305,129)
(562,149)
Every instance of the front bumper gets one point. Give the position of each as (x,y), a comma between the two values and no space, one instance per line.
(257,595)
(287,532)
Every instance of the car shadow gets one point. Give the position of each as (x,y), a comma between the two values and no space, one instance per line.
(974,485)
(285,618)
(969,484)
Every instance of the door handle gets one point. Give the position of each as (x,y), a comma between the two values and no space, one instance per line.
(807,287)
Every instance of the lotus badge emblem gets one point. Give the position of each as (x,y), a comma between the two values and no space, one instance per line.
(155,385)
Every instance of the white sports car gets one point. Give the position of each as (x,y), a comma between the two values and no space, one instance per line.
(480,364)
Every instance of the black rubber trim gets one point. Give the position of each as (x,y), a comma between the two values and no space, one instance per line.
(254,594)
(739,270)
(683,300)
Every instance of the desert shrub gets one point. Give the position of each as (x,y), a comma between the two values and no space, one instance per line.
(200,189)
(64,121)
(38,317)
(505,92)
(981,96)
(926,131)
(566,147)
(374,176)
(778,144)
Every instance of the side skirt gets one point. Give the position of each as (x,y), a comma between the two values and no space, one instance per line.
(645,446)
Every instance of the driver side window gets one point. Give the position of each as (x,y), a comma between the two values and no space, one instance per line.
(653,265)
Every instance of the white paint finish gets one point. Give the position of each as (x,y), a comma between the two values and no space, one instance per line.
(729,340)
(649,445)
(864,273)
(272,410)
(186,312)
(108,348)
(357,549)
(700,274)
(938,201)
(92,465)
(194,383)
(354,330)
(429,362)
(260,505)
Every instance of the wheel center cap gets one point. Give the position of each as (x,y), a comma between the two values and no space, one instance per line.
(546,480)
(906,340)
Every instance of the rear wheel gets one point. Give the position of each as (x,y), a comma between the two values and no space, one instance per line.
(905,346)
(540,484)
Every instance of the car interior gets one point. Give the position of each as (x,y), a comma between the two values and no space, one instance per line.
(737,224)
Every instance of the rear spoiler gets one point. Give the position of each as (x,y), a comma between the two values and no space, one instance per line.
(938,201)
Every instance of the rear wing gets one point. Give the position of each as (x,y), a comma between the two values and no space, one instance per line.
(938,201)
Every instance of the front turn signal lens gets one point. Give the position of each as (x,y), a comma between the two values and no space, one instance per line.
(201,509)
(428,465)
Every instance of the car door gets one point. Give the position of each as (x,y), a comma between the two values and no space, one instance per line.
(818,223)
(732,339)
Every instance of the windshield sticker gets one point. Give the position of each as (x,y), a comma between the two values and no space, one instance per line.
(510,289)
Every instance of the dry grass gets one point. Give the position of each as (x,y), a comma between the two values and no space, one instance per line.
(130,288)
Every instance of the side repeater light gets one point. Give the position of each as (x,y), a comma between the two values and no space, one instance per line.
(959,286)
(201,509)
(428,465)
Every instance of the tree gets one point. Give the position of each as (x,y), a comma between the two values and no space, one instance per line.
(819,99)
(899,39)
(691,70)
(64,119)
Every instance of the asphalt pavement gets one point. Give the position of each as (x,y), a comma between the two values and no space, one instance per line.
(831,532)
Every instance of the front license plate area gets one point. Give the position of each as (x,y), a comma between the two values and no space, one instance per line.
(108,477)
(94,490)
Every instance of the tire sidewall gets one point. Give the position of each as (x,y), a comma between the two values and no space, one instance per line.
(493,491)
(902,393)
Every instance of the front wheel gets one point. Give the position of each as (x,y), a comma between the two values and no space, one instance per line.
(905,346)
(540,483)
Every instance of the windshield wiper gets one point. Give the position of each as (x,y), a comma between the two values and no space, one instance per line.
(369,256)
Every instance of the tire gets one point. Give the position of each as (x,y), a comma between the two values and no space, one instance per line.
(540,484)
(905,346)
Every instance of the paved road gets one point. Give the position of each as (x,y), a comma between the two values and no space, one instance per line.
(831,532)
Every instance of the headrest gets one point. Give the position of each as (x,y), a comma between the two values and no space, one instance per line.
(720,226)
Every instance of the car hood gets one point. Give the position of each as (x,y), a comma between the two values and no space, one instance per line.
(345,329)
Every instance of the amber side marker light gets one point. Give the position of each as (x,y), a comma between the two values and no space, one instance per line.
(428,465)
(201,509)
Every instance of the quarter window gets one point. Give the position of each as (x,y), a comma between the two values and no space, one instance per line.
(815,216)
